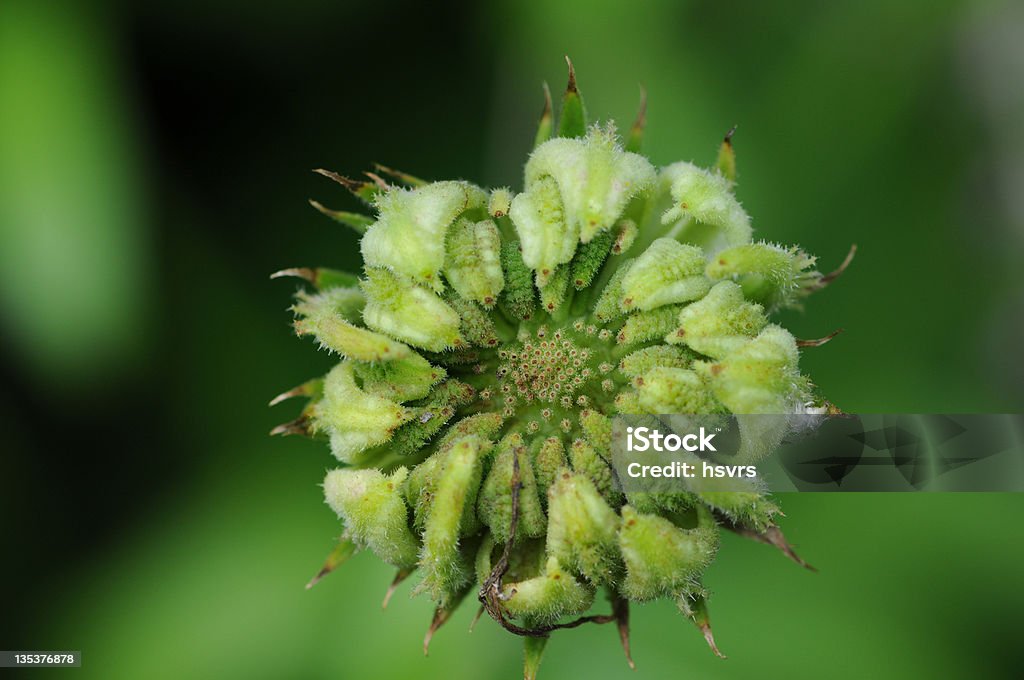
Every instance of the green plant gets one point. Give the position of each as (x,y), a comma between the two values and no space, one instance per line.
(494,335)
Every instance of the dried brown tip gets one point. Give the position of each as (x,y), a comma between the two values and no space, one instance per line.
(833,410)
(397,581)
(405,177)
(547,112)
(770,536)
(344,550)
(300,391)
(820,341)
(641,114)
(378,180)
(705,628)
(307,273)
(324,571)
(636,133)
(620,610)
(349,184)
(324,210)
(728,135)
(298,426)
(441,617)
(571,85)
(320,207)
(833,275)
(472,624)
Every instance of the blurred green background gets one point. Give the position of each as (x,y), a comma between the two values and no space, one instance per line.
(154,168)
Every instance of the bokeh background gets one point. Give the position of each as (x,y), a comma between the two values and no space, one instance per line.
(154,169)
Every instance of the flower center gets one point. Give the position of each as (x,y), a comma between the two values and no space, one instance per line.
(547,372)
(550,368)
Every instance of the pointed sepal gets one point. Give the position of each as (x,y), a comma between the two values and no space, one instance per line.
(634,142)
(365,191)
(695,608)
(321,277)
(357,222)
(545,125)
(341,553)
(533,652)
(726,162)
(572,118)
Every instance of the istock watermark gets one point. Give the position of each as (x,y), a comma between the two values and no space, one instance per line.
(644,438)
(674,453)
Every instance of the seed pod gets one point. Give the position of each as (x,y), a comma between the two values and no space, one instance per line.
(628,402)
(639,362)
(682,508)
(553,292)
(720,323)
(664,389)
(548,461)
(483,425)
(409,234)
(771,275)
(548,597)
(445,567)
(662,559)
(494,506)
(761,376)
(598,429)
(421,488)
(475,326)
(329,317)
(441,405)
(594,177)
(668,272)
(547,239)
(353,419)
(582,528)
(704,211)
(408,312)
(374,512)
(473,261)
(587,461)
(608,305)
(402,380)
(646,326)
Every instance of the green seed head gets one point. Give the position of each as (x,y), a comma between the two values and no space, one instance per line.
(491,339)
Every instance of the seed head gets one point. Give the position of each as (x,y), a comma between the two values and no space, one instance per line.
(488,344)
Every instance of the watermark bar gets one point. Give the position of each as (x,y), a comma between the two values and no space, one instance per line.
(817,452)
(50,659)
